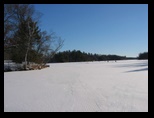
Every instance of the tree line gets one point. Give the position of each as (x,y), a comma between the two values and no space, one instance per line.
(24,41)
(78,56)
(143,55)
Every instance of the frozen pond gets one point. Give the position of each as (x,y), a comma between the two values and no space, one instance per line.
(81,86)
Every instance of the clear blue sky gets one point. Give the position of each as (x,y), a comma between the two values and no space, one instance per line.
(120,29)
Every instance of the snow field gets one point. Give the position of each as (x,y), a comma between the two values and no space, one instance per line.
(81,86)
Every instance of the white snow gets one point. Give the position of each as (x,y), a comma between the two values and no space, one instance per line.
(120,86)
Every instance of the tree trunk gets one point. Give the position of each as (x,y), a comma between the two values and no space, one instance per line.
(26,58)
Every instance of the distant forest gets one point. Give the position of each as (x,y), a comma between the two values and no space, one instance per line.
(78,56)
(143,55)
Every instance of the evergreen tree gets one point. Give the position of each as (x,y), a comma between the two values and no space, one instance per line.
(143,55)
(78,56)
(25,39)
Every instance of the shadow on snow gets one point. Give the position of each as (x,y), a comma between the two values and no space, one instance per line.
(134,65)
(143,69)
(139,64)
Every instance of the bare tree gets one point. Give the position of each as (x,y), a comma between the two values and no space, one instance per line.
(30,36)
(52,51)
(22,32)
(48,45)
(13,15)
(8,26)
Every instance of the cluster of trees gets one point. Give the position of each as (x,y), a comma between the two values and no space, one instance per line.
(23,38)
(25,41)
(78,56)
(143,55)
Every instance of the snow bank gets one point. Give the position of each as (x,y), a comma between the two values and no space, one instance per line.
(13,66)
(82,86)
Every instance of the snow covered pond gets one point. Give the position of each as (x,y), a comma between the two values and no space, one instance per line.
(81,86)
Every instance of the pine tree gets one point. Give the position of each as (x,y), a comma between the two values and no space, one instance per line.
(25,39)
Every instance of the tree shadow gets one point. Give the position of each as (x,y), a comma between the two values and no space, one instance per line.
(143,66)
(143,69)
(134,64)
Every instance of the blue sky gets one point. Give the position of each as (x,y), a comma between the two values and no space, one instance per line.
(120,29)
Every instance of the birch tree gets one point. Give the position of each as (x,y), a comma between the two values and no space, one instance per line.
(28,42)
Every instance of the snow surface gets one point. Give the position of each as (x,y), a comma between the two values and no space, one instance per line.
(120,86)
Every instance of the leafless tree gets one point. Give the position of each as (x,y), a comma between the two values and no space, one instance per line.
(48,46)
(20,30)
